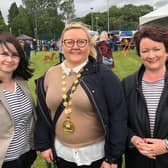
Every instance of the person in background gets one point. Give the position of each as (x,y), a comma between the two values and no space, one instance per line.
(27,49)
(34,46)
(90,123)
(104,51)
(146,95)
(60,54)
(110,42)
(17,111)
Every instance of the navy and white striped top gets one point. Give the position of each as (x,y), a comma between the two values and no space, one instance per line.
(152,92)
(21,114)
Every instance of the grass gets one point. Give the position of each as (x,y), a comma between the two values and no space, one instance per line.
(40,67)
(125,64)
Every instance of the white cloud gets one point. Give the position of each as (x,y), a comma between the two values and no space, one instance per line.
(5,5)
(160,3)
(83,6)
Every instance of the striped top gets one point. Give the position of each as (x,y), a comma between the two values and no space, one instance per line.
(21,114)
(152,92)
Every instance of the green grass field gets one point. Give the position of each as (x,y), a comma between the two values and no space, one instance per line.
(124,65)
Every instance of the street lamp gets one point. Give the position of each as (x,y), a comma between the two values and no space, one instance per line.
(92,17)
(36,29)
(97,23)
(108,27)
(10,29)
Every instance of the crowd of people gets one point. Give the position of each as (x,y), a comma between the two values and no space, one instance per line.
(84,116)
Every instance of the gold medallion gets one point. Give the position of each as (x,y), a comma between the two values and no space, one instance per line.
(68,126)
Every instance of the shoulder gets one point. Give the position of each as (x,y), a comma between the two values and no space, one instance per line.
(54,69)
(106,73)
(52,76)
(129,83)
(135,77)
(21,81)
(106,77)
(129,78)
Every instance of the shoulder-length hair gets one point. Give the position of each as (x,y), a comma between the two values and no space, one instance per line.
(23,70)
(153,32)
(103,36)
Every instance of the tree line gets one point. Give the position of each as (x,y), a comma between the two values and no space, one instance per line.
(38,18)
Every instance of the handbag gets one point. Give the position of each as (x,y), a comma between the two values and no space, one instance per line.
(107,61)
(102,58)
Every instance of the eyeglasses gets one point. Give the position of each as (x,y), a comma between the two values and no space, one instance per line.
(70,42)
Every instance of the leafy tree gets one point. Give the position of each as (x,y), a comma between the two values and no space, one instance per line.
(67,9)
(131,15)
(21,24)
(3,26)
(47,17)
(120,18)
(44,16)
(13,12)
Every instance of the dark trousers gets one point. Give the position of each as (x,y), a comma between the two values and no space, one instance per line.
(24,161)
(61,163)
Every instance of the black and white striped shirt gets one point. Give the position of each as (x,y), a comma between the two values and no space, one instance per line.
(21,114)
(152,92)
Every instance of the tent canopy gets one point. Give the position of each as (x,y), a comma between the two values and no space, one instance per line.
(155,15)
(24,37)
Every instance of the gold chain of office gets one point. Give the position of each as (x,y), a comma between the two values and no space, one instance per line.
(68,124)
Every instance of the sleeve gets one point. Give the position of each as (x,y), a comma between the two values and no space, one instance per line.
(126,89)
(43,135)
(117,130)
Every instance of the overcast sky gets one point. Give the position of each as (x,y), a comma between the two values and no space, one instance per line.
(84,6)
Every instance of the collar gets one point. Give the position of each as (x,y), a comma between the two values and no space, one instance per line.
(140,72)
(76,69)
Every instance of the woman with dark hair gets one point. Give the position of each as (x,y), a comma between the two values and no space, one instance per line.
(16,104)
(146,95)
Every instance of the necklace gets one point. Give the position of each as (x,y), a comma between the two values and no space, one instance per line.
(68,125)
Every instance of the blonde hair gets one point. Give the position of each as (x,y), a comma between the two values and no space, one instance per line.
(84,27)
(103,36)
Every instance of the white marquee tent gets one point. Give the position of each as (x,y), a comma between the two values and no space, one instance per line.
(159,16)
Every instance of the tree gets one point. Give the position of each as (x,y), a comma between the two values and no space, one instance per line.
(3,26)
(67,9)
(13,12)
(21,24)
(44,16)
(120,18)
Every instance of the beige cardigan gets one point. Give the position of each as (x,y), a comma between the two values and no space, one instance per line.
(6,123)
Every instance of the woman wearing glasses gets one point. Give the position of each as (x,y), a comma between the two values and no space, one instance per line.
(90,126)
(16,106)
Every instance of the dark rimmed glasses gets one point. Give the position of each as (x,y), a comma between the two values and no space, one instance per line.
(70,42)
